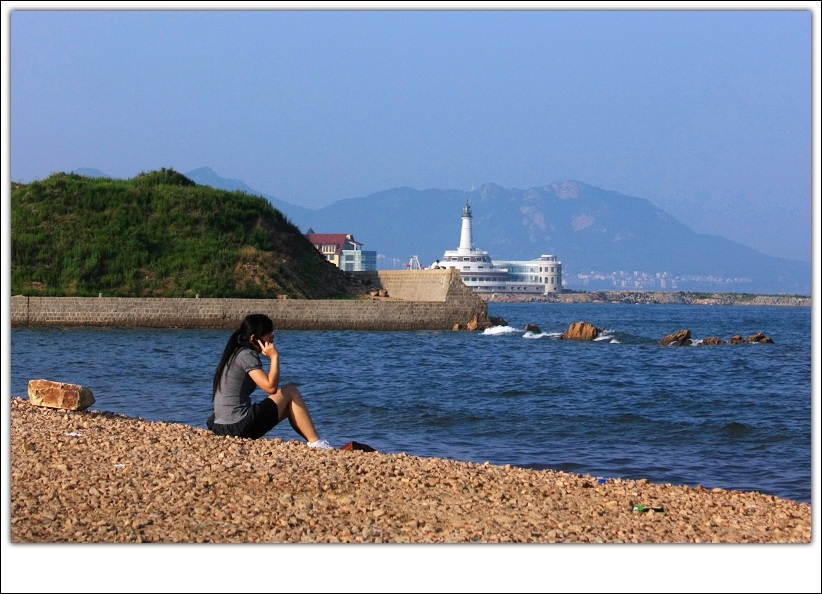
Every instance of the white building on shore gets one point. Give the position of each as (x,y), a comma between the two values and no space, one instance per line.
(538,277)
(343,251)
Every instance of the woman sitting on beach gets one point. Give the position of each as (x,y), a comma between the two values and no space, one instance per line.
(240,372)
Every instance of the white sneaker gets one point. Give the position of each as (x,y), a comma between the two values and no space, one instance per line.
(322,444)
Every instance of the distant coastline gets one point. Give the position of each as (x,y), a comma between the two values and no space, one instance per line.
(651,297)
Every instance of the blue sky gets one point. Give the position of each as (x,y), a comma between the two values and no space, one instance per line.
(705,113)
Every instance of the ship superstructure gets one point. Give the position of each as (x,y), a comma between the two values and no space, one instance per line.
(539,276)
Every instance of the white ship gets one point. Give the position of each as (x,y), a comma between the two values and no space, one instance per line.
(538,277)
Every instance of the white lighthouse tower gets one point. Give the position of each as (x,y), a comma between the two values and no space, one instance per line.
(466,242)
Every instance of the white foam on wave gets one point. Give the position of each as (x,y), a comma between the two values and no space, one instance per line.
(608,335)
(500,330)
(530,334)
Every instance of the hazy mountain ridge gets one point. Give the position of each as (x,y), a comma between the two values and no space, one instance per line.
(205,176)
(595,233)
(591,230)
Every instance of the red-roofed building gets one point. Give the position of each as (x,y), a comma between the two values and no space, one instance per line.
(343,251)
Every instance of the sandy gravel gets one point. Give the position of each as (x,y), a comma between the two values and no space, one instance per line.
(99,477)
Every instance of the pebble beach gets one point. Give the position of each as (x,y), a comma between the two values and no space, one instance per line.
(99,477)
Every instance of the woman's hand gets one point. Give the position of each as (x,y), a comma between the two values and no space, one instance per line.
(268,349)
(267,382)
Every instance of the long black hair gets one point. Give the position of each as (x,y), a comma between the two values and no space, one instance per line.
(253,324)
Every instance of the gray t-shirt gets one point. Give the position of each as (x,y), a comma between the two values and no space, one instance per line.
(233,400)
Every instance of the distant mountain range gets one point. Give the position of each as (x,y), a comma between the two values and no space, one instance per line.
(604,239)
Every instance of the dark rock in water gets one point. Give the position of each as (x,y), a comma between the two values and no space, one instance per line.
(760,338)
(680,338)
(476,323)
(683,338)
(580,331)
(531,327)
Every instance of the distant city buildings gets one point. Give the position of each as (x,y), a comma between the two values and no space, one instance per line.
(662,281)
(343,251)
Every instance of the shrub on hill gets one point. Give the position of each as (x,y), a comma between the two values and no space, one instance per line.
(159,235)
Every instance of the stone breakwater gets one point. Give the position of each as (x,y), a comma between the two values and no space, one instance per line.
(99,477)
(416,300)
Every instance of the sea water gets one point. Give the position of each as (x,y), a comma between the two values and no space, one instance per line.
(729,416)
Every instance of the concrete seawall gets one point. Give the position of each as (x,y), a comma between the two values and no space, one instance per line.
(417,300)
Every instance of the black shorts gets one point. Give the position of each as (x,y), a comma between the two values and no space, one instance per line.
(261,418)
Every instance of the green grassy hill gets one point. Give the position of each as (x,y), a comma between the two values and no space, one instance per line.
(159,235)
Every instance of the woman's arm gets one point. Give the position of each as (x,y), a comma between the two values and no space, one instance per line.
(268,383)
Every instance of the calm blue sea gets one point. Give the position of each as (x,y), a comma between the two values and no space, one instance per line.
(731,416)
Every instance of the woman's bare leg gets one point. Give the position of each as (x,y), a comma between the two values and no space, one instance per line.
(290,403)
